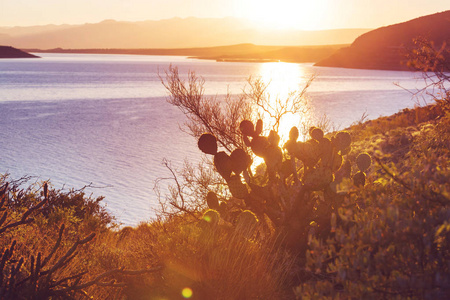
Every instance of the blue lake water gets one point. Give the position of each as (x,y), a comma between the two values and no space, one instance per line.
(78,119)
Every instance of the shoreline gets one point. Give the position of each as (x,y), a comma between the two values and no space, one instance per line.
(231,53)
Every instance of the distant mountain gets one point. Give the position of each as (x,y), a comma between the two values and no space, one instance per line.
(10,52)
(17,31)
(169,33)
(385,47)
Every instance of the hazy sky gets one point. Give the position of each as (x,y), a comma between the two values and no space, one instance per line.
(311,14)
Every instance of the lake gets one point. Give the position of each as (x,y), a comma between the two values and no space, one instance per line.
(80,119)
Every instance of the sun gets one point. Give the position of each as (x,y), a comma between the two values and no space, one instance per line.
(285,14)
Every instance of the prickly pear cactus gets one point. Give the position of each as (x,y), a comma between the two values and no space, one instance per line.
(298,187)
(363,161)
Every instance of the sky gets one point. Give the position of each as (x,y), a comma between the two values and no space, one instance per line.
(280,14)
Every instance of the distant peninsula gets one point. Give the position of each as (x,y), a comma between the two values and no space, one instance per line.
(385,48)
(233,53)
(11,52)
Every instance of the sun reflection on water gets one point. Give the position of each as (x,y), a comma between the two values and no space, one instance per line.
(284,81)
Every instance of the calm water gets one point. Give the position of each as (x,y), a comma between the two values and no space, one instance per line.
(78,119)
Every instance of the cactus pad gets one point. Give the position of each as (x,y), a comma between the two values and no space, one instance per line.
(211,216)
(359,179)
(212,201)
(247,128)
(239,161)
(363,161)
(246,219)
(273,138)
(259,127)
(246,223)
(293,134)
(208,143)
(316,133)
(342,140)
(222,162)
(259,145)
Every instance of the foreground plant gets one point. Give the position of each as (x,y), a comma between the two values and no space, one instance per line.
(294,191)
(60,270)
(393,239)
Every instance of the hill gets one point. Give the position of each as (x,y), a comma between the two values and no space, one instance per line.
(385,47)
(10,52)
(168,33)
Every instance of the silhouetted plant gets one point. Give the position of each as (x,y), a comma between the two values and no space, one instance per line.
(293,191)
(221,118)
(298,188)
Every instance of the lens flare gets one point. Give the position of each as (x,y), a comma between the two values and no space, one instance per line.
(186,293)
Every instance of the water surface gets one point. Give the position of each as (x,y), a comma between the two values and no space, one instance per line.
(78,119)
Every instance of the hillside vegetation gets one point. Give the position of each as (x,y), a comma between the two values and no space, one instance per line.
(389,238)
(361,213)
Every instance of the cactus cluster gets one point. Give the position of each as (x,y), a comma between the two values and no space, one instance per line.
(230,167)
(295,173)
(321,156)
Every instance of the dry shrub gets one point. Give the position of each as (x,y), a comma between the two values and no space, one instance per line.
(216,262)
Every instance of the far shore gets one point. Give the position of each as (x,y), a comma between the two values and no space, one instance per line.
(232,53)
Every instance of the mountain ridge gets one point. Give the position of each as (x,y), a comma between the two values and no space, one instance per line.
(167,33)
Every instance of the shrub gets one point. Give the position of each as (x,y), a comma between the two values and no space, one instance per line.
(41,258)
(392,240)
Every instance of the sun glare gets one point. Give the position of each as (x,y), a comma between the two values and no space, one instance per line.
(284,79)
(285,14)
